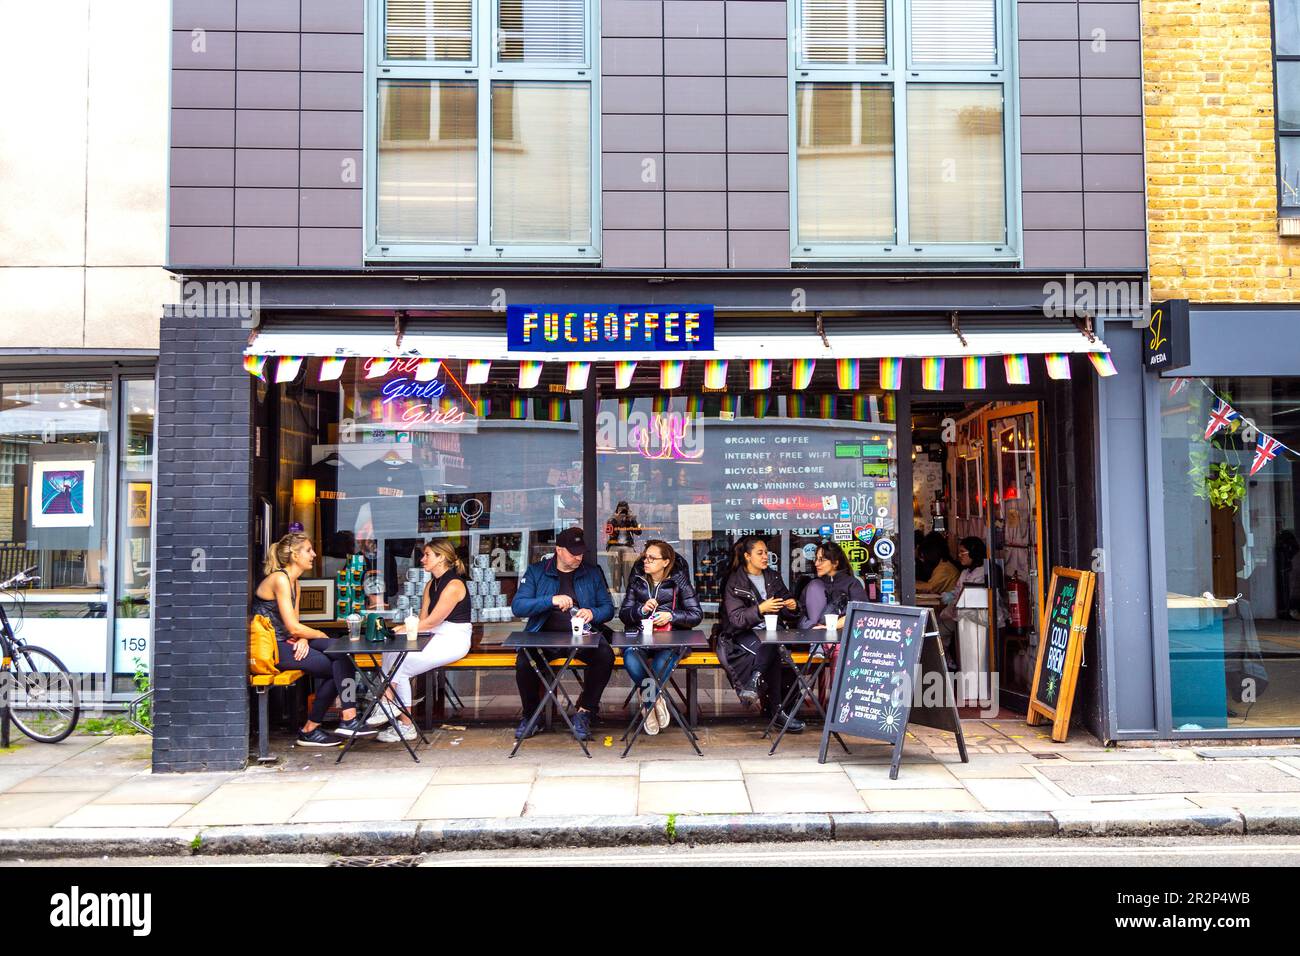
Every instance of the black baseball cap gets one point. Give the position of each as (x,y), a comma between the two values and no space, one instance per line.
(572,540)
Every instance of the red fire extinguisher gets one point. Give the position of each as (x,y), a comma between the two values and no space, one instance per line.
(1017,604)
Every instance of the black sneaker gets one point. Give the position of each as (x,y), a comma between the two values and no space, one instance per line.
(523,733)
(355,727)
(582,725)
(749,693)
(792,725)
(319,737)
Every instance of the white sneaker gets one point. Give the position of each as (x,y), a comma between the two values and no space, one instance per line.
(662,712)
(652,721)
(390,736)
(380,717)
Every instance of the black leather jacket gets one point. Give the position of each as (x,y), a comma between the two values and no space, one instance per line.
(674,594)
(740,613)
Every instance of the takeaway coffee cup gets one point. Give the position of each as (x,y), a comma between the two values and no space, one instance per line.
(769,621)
(354,627)
(832,623)
(648,629)
(576,624)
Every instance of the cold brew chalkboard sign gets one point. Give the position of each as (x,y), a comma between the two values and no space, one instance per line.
(1060,648)
(877,690)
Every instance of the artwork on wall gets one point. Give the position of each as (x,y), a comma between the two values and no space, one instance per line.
(139,504)
(63,493)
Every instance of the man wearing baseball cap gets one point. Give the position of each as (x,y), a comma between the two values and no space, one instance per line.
(550,589)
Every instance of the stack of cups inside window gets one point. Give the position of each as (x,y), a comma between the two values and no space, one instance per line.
(487,603)
(408,601)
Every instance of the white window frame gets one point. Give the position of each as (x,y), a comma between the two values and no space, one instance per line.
(898,72)
(484,69)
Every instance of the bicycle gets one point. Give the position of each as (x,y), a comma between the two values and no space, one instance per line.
(42,697)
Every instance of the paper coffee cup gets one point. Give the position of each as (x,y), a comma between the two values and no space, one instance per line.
(832,622)
(648,629)
(769,621)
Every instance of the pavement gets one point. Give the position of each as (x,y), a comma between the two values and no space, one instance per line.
(94,796)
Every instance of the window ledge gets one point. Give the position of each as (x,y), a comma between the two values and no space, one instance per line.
(1288,226)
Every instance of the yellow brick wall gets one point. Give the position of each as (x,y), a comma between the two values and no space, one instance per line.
(1211,159)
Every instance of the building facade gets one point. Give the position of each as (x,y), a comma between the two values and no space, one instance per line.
(886,213)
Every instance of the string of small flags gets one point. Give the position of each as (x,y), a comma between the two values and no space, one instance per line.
(1222,415)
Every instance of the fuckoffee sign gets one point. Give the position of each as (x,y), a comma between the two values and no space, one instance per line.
(596,329)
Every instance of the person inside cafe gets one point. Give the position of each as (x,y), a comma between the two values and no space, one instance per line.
(659,589)
(752,590)
(551,592)
(833,588)
(972,554)
(620,531)
(943,570)
(445,610)
(301,647)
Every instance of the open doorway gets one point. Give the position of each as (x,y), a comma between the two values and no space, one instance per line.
(977,501)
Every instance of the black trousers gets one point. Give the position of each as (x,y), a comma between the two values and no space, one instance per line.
(750,654)
(595,676)
(336,675)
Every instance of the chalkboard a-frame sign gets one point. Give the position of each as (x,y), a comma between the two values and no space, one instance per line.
(876,693)
(1060,649)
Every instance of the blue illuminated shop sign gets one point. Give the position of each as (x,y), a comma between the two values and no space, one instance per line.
(609,328)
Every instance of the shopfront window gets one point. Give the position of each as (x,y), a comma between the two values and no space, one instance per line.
(54,513)
(378,465)
(132,626)
(1232,551)
(700,467)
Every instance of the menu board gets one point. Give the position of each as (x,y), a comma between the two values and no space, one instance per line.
(1065,621)
(877,690)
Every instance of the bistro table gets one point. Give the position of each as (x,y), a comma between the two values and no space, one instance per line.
(377,680)
(634,643)
(818,641)
(564,642)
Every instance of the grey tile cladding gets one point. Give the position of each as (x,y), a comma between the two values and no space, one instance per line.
(695,133)
(758,250)
(203,14)
(203,127)
(1053,210)
(633,249)
(631,18)
(1053,250)
(632,171)
(1119,21)
(1117,250)
(630,133)
(332,91)
(631,56)
(332,130)
(266,167)
(329,207)
(202,167)
(695,171)
(330,248)
(266,207)
(1050,134)
(631,94)
(333,16)
(269,15)
(259,90)
(203,89)
(333,52)
(1043,96)
(758,19)
(698,210)
(202,206)
(1110,58)
(268,51)
(1113,173)
(695,94)
(696,249)
(267,128)
(628,210)
(203,50)
(695,57)
(758,134)
(1048,21)
(694,18)
(759,210)
(1049,58)
(756,58)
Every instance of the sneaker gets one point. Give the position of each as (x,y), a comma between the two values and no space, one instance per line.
(661,711)
(319,737)
(523,733)
(390,736)
(792,725)
(380,717)
(354,728)
(748,693)
(651,720)
(582,725)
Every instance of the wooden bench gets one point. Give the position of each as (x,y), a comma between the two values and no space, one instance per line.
(261,685)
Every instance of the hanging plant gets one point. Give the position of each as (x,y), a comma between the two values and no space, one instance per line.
(1225,486)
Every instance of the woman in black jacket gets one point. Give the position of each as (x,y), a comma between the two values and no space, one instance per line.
(833,588)
(752,590)
(660,589)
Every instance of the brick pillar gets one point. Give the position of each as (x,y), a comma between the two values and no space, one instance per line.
(202,568)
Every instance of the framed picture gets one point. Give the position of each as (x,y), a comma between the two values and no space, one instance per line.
(63,493)
(139,503)
(316,599)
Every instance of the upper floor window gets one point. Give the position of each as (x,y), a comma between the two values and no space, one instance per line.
(482,132)
(1286,44)
(902,131)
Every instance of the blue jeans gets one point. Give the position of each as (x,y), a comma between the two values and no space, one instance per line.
(662,661)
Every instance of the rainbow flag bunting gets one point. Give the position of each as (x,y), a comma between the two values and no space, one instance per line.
(427,370)
(862,408)
(660,404)
(932,374)
(1102,362)
(255,365)
(575,377)
(1017,369)
(891,373)
(694,404)
(826,406)
(891,409)
(331,369)
(973,373)
(483,406)
(530,373)
(761,405)
(623,372)
(715,373)
(670,374)
(1058,365)
(476,373)
(730,409)
(801,373)
(760,374)
(796,407)
(557,410)
(624,408)
(286,370)
(378,367)
(847,375)
(518,407)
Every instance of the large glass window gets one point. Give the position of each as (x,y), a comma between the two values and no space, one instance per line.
(1286,27)
(485,138)
(135,520)
(1232,554)
(900,120)
(54,514)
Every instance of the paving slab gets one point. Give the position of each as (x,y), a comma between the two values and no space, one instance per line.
(125,815)
(699,796)
(667,770)
(913,777)
(352,811)
(1243,800)
(470,801)
(70,783)
(402,784)
(39,809)
(779,764)
(919,800)
(565,796)
(1014,795)
(485,773)
(164,788)
(802,793)
(1213,777)
(236,804)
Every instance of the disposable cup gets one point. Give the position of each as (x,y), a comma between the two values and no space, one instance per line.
(769,621)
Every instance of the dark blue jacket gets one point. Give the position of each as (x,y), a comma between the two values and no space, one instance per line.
(541,582)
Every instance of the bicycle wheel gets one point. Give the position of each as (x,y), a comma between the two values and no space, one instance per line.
(44,702)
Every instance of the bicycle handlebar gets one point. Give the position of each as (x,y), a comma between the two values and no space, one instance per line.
(22,577)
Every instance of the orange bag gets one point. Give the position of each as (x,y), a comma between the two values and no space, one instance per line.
(263,648)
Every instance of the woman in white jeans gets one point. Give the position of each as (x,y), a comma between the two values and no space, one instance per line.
(445,610)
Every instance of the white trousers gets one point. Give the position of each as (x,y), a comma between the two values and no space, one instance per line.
(450,643)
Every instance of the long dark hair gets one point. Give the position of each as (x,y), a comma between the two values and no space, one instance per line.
(745,545)
(835,555)
(665,550)
(978,552)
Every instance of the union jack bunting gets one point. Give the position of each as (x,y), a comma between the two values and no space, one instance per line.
(1266,449)
(1219,418)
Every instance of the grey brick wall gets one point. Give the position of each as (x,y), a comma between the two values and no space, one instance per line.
(1081,134)
(200,664)
(266,152)
(693,120)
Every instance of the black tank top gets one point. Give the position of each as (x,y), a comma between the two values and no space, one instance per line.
(270,608)
(460,613)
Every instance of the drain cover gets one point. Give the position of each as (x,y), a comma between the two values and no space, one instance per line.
(368,861)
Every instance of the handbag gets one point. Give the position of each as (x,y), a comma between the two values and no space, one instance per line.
(263,646)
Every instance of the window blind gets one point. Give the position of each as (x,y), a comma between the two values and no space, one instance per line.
(954,31)
(541,31)
(843,31)
(428,29)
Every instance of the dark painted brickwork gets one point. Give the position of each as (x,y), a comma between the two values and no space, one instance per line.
(266,150)
(200,667)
